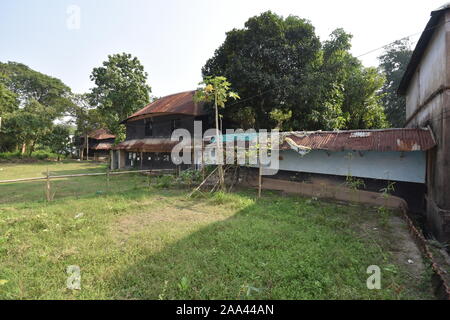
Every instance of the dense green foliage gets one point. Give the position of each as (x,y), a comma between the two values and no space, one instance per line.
(394,63)
(120,90)
(30,102)
(287,78)
(58,140)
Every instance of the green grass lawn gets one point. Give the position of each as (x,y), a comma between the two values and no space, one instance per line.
(137,241)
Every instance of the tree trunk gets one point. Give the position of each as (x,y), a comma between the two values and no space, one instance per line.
(24,148)
(32,148)
(219,149)
(87,147)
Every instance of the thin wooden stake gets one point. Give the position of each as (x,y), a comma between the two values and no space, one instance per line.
(260,180)
(203,163)
(107,178)
(48,187)
(201,184)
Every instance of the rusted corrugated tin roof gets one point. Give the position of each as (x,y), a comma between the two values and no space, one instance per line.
(179,103)
(364,140)
(102,146)
(147,145)
(101,134)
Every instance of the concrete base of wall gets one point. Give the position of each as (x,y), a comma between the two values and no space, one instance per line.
(326,191)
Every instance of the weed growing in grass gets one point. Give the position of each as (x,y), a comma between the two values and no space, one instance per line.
(354,183)
(162,295)
(184,284)
(189,177)
(384,211)
(164,182)
(219,197)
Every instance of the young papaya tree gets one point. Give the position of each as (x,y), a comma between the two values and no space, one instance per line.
(216,90)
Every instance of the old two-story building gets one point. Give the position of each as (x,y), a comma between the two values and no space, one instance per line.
(426,86)
(98,145)
(148,143)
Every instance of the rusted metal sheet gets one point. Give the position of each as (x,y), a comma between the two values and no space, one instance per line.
(102,146)
(179,103)
(147,145)
(364,140)
(101,134)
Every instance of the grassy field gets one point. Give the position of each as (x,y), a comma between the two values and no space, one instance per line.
(134,240)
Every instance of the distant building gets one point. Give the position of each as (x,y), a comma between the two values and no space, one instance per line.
(426,85)
(148,143)
(99,143)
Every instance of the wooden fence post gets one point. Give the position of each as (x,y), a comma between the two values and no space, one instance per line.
(259,180)
(107,178)
(49,190)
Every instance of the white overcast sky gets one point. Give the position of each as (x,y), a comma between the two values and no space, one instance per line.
(174,38)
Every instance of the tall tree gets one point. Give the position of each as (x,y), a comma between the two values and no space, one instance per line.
(29,84)
(121,89)
(216,90)
(393,63)
(42,100)
(29,125)
(58,140)
(86,119)
(8,105)
(264,62)
(287,77)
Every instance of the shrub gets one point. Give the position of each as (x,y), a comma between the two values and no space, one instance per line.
(164,181)
(10,155)
(190,176)
(39,155)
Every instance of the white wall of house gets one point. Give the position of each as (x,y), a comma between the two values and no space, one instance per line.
(395,166)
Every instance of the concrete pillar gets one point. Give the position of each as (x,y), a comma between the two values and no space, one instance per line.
(121,159)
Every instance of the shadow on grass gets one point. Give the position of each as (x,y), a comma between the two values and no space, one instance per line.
(271,249)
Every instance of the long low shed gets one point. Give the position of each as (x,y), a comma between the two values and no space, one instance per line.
(387,154)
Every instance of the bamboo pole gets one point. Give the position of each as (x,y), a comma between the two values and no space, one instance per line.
(48,191)
(201,184)
(203,162)
(107,178)
(84,175)
(87,147)
(259,180)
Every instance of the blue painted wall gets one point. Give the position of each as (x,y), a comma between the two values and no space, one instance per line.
(395,166)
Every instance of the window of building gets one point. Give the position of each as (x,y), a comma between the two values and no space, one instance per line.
(148,127)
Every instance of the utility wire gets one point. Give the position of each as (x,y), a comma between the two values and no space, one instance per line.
(404,38)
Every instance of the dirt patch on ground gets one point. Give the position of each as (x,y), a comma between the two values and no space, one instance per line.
(134,223)
(393,234)
(405,250)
